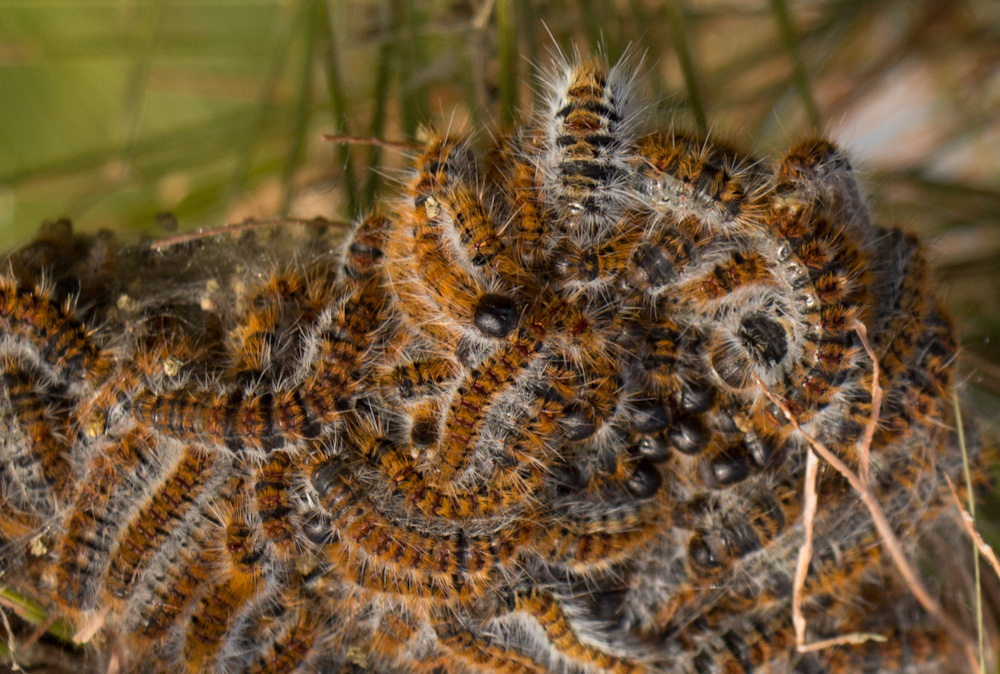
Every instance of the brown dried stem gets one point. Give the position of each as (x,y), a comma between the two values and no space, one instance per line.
(968,523)
(864,453)
(851,639)
(40,631)
(860,485)
(805,551)
(377,142)
(239,228)
(11,646)
(802,569)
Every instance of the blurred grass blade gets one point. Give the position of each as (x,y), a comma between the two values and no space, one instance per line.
(284,34)
(679,31)
(376,128)
(413,96)
(302,102)
(507,48)
(138,80)
(338,102)
(800,74)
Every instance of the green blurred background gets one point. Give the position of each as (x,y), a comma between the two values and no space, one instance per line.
(114,112)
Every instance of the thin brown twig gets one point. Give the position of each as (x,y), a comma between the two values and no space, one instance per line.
(11,647)
(802,571)
(852,639)
(805,551)
(864,454)
(40,631)
(378,142)
(239,228)
(968,523)
(889,538)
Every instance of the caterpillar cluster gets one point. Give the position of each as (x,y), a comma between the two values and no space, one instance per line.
(516,425)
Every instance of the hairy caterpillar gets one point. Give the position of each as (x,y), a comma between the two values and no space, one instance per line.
(514,425)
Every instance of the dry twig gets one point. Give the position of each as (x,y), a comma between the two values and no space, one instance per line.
(864,491)
(40,631)
(377,142)
(805,552)
(865,449)
(239,228)
(14,667)
(968,523)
